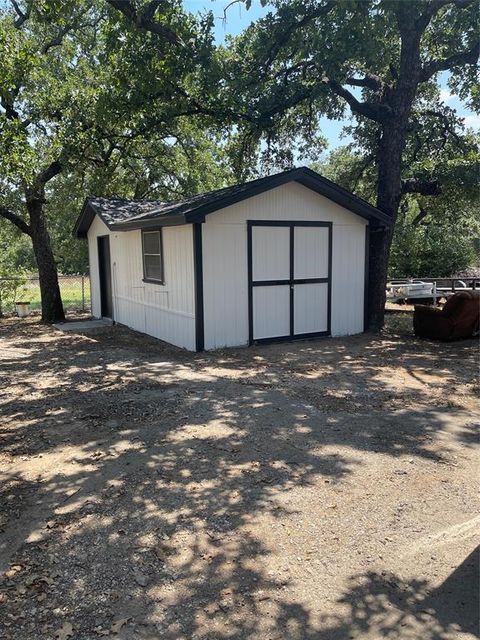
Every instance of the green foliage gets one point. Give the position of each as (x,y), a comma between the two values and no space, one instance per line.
(433,250)
(297,64)
(435,236)
(129,112)
(81,86)
(13,252)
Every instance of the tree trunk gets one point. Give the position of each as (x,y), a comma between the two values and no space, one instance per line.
(389,192)
(52,308)
(389,162)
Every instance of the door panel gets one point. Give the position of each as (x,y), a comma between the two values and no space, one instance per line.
(271,253)
(310,252)
(271,311)
(289,279)
(310,313)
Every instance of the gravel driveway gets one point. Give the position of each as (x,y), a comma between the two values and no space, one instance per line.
(319,490)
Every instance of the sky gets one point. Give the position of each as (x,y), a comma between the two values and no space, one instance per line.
(233,18)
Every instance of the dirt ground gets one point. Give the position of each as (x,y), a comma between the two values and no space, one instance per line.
(319,490)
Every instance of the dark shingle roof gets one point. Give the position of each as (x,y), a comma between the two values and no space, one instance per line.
(122,215)
(115,210)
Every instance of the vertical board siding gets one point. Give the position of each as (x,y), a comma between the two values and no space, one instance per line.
(310,308)
(225,264)
(271,311)
(348,281)
(164,311)
(225,285)
(311,252)
(271,253)
(97,228)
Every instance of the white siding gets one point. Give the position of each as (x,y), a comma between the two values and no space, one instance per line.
(271,311)
(348,279)
(163,311)
(310,308)
(97,228)
(311,252)
(271,253)
(225,260)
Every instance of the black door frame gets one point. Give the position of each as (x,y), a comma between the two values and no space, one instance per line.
(106,306)
(291,281)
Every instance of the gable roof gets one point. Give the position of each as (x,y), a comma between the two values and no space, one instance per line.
(124,215)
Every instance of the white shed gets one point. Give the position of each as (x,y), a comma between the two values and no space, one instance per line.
(280,258)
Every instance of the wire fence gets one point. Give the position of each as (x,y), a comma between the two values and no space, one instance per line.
(75,292)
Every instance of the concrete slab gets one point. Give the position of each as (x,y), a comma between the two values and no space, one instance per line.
(83,325)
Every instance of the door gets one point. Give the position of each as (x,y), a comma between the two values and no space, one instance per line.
(289,273)
(105,274)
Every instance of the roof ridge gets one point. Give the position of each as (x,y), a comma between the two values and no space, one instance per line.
(139,213)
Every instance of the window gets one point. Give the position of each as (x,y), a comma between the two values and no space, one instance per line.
(152,256)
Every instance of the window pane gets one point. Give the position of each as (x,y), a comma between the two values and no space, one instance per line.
(153,268)
(151,242)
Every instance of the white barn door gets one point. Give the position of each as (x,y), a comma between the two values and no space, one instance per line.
(289,273)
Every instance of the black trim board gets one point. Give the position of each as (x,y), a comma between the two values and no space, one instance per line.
(292,281)
(170,221)
(268,283)
(298,336)
(366,277)
(330,277)
(249,281)
(84,220)
(198,269)
(303,175)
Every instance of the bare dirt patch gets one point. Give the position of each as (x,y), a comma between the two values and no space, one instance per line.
(322,489)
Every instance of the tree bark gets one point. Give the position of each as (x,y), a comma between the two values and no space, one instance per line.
(389,193)
(52,308)
(389,160)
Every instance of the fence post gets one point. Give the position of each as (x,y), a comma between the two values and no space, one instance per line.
(83,293)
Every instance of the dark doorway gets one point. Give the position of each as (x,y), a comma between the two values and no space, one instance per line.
(105,274)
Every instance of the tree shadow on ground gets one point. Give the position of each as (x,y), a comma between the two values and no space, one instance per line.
(150,471)
(389,607)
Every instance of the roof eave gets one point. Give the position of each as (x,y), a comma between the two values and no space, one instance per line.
(302,175)
(84,220)
(198,214)
(341,196)
(150,223)
(307,178)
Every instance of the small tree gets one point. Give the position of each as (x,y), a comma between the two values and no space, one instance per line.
(67,107)
(11,279)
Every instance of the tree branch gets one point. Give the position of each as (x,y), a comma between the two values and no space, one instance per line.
(53,169)
(284,37)
(151,8)
(58,39)
(370,81)
(144,20)
(16,220)
(423,213)
(22,16)
(367,162)
(457,59)
(448,125)
(423,187)
(434,7)
(374,111)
